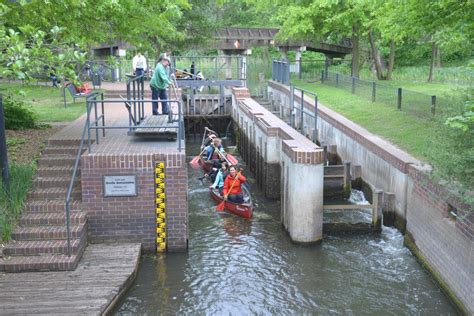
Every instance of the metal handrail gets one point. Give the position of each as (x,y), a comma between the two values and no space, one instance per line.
(74,173)
(302,109)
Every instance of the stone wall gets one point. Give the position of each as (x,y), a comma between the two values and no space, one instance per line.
(442,242)
(133,219)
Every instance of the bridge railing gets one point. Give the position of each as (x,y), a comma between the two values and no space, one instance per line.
(281,71)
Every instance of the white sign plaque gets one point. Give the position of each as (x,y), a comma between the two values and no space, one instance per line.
(120,185)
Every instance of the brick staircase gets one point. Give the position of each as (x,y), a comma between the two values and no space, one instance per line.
(39,243)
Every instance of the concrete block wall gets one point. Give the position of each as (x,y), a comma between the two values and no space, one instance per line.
(271,146)
(133,219)
(443,243)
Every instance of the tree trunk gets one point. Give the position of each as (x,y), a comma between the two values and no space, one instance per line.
(375,57)
(355,51)
(391,60)
(438,57)
(433,59)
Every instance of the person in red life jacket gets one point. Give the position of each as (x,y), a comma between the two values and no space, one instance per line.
(235,194)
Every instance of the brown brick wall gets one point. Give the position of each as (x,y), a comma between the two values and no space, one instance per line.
(132,219)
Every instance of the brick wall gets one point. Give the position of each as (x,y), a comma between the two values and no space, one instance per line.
(445,243)
(133,219)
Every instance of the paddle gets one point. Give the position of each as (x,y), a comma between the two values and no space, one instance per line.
(195,161)
(220,207)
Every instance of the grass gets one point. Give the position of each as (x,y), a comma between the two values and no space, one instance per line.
(11,203)
(451,153)
(46,101)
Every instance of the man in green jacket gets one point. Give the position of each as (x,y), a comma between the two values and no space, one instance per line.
(159,83)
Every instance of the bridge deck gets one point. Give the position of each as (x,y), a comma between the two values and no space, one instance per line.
(103,274)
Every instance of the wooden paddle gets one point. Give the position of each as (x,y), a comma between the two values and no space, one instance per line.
(220,207)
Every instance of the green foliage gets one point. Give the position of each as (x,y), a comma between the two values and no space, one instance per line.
(12,200)
(18,115)
(465,121)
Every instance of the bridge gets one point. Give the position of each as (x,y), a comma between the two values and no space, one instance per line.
(234,40)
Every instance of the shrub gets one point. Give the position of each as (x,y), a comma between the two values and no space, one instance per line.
(18,115)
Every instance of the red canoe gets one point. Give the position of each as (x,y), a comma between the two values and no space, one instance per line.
(244,210)
(205,166)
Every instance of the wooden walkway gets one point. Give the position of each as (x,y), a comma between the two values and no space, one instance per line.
(103,275)
(167,130)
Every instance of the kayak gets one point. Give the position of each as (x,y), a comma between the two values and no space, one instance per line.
(244,210)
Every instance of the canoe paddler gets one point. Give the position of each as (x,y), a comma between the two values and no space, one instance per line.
(234,180)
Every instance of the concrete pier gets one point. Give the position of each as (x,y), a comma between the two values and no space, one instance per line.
(286,164)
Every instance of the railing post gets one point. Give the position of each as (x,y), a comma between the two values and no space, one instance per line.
(287,73)
(399,98)
(300,64)
(337,79)
(302,112)
(322,76)
(353,85)
(315,132)
(103,114)
(374,91)
(292,104)
(96,121)
(433,105)
(68,228)
(88,122)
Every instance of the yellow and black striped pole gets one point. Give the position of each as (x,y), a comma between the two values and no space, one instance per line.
(160,193)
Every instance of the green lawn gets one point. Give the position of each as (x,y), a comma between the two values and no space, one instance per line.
(46,101)
(448,151)
(430,88)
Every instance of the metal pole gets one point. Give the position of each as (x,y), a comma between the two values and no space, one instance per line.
(103,114)
(221,99)
(180,131)
(88,122)
(68,227)
(134,93)
(95,120)
(64,95)
(292,104)
(433,104)
(374,91)
(3,148)
(322,76)
(399,98)
(299,68)
(129,97)
(337,80)
(353,85)
(302,113)
(315,136)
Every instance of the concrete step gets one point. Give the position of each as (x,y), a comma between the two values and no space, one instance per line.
(48,232)
(60,150)
(57,161)
(41,247)
(63,142)
(55,182)
(56,262)
(53,193)
(53,218)
(41,206)
(55,171)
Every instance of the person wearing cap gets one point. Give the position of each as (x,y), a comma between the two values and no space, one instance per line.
(158,84)
(208,140)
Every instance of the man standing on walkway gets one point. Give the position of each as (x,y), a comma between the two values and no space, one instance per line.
(139,64)
(159,83)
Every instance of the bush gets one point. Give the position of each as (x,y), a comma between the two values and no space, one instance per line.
(18,115)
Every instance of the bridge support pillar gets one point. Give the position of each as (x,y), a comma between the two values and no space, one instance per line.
(302,201)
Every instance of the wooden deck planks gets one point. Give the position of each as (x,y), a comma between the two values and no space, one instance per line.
(158,120)
(103,274)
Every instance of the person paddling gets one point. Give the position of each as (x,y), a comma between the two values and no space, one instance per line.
(232,189)
(215,152)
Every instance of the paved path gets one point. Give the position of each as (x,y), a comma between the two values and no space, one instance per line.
(103,274)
